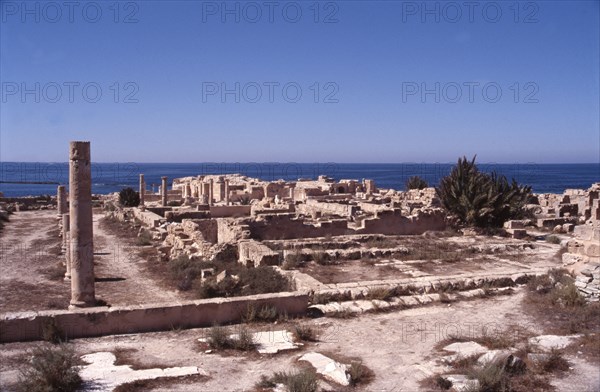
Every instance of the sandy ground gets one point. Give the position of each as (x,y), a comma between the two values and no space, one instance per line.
(30,275)
(398,346)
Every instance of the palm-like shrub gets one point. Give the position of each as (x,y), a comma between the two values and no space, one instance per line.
(129,198)
(416,182)
(481,199)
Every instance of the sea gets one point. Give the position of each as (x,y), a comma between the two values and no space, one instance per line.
(41,178)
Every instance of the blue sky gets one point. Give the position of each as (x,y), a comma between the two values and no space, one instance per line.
(361,67)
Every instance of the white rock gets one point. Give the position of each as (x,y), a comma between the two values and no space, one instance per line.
(329,368)
(466,349)
(549,342)
(102,375)
(271,342)
(460,382)
(492,356)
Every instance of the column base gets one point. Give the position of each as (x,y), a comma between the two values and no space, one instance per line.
(80,304)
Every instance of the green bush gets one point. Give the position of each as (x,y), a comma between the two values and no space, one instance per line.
(249,281)
(50,369)
(185,270)
(129,198)
(416,182)
(144,238)
(480,199)
(219,339)
(262,280)
(305,333)
(359,373)
(299,381)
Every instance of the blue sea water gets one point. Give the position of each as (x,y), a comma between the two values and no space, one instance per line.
(111,177)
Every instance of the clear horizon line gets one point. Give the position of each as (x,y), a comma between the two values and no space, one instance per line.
(314,162)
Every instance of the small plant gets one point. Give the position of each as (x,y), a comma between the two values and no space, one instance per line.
(51,332)
(184,271)
(265,313)
(321,257)
(380,293)
(359,374)
(555,362)
(492,377)
(553,239)
(245,200)
(244,340)
(296,381)
(416,182)
(293,260)
(50,369)
(218,338)
(305,333)
(443,383)
(129,198)
(144,238)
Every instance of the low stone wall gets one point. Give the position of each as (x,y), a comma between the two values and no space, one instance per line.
(253,253)
(148,218)
(229,211)
(26,326)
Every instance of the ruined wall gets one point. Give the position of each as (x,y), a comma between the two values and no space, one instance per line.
(313,206)
(394,223)
(102,321)
(253,254)
(286,226)
(148,218)
(229,211)
(180,215)
(231,230)
(201,229)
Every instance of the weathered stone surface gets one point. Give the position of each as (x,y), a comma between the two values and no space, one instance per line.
(101,374)
(461,382)
(549,342)
(329,368)
(466,349)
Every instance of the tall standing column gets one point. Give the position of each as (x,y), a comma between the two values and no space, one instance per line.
(82,247)
(226,191)
(211,192)
(61,201)
(163,191)
(142,189)
(66,228)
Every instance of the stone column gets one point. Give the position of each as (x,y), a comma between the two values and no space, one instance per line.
(142,189)
(188,190)
(82,248)
(163,191)
(66,228)
(61,201)
(226,191)
(211,192)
